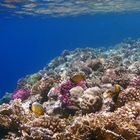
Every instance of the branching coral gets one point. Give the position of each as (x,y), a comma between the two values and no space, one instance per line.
(66,86)
(43,86)
(115,126)
(135,81)
(65,92)
(52,123)
(127,95)
(43,128)
(21,94)
(22,123)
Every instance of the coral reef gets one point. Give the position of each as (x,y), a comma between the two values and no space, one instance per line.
(119,125)
(85,94)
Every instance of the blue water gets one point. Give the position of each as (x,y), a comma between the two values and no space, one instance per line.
(28,44)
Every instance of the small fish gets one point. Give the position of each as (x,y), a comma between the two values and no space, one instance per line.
(113,92)
(78,77)
(118,88)
(37,108)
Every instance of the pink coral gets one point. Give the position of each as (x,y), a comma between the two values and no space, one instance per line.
(21,94)
(65,100)
(65,87)
(135,81)
(65,92)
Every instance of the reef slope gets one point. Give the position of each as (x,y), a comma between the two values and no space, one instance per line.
(85,94)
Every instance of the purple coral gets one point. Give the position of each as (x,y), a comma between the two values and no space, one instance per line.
(65,92)
(135,81)
(21,94)
(65,87)
(65,100)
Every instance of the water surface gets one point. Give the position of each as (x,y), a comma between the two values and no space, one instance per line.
(35,31)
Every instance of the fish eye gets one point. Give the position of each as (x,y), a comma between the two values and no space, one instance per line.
(30,106)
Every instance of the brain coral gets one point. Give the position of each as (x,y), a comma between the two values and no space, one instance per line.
(91,100)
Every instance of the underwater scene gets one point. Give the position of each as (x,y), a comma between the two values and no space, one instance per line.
(70,70)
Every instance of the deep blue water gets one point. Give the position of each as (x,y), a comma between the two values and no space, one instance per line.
(28,44)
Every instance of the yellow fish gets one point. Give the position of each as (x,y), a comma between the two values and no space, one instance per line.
(37,108)
(118,88)
(78,78)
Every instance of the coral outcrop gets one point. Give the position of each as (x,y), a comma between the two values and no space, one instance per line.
(85,94)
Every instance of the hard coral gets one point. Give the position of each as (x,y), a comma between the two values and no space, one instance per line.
(21,94)
(122,80)
(127,95)
(108,76)
(135,81)
(135,68)
(22,124)
(91,101)
(76,94)
(43,128)
(43,86)
(52,123)
(101,103)
(120,125)
(66,86)
(32,79)
(65,92)
(65,100)
(94,64)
